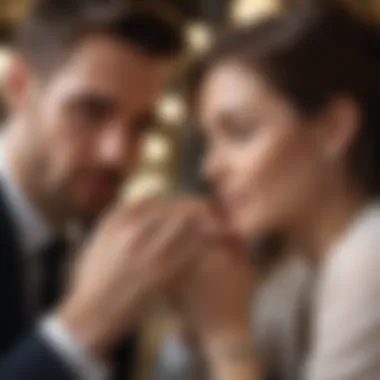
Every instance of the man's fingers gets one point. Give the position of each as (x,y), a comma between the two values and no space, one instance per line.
(187,257)
(179,251)
(172,230)
(138,210)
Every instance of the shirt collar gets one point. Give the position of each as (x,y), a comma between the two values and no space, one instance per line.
(32,229)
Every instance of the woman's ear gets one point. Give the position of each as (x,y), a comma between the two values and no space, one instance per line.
(341,120)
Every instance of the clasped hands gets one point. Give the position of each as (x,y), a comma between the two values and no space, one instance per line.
(179,249)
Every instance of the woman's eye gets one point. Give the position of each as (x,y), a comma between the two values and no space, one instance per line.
(240,132)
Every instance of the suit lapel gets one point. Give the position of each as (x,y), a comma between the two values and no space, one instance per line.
(12,294)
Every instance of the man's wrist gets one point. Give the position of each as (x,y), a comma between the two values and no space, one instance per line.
(83,326)
(71,350)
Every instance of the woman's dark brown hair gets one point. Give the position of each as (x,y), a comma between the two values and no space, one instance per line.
(310,56)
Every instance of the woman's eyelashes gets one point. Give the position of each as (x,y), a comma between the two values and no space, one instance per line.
(239,131)
(235,127)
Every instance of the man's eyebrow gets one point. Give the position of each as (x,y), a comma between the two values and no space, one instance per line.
(97,98)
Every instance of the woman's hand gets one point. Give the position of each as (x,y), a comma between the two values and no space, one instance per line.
(215,302)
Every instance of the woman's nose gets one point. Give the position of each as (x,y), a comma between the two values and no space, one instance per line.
(212,167)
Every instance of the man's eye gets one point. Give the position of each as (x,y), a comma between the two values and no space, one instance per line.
(93,111)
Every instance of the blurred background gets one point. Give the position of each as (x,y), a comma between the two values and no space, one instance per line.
(170,155)
(167,154)
(169,158)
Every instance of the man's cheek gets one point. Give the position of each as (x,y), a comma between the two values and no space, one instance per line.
(132,157)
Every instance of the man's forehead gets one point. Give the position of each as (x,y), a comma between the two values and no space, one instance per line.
(99,52)
(105,65)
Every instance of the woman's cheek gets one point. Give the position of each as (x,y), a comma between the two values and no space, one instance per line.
(266,181)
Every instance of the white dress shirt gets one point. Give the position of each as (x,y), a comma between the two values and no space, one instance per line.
(33,233)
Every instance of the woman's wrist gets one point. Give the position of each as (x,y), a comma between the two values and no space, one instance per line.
(231,355)
(228,344)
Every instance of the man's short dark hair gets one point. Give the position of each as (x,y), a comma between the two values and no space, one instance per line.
(52,27)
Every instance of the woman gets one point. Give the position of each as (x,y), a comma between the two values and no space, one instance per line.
(290,111)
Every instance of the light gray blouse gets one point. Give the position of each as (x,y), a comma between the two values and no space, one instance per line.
(310,325)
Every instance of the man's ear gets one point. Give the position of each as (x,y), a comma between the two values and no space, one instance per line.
(16,82)
(342,119)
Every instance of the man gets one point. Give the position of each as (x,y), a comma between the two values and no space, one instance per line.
(81,92)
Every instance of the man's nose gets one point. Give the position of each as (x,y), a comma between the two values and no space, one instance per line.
(114,147)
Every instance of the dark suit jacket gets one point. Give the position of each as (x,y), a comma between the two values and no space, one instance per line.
(23,353)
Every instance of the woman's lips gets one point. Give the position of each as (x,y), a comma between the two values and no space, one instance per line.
(231,201)
(225,208)
(230,204)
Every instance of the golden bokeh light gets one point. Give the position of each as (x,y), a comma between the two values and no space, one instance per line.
(5,58)
(199,37)
(246,11)
(147,185)
(172,109)
(156,149)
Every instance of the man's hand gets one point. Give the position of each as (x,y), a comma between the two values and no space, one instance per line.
(132,256)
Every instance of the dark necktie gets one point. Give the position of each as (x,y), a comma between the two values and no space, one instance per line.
(53,258)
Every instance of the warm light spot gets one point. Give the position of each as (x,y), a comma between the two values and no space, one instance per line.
(5,57)
(247,11)
(156,149)
(172,109)
(146,186)
(199,37)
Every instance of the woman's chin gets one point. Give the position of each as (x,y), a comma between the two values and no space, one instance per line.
(241,228)
(249,228)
